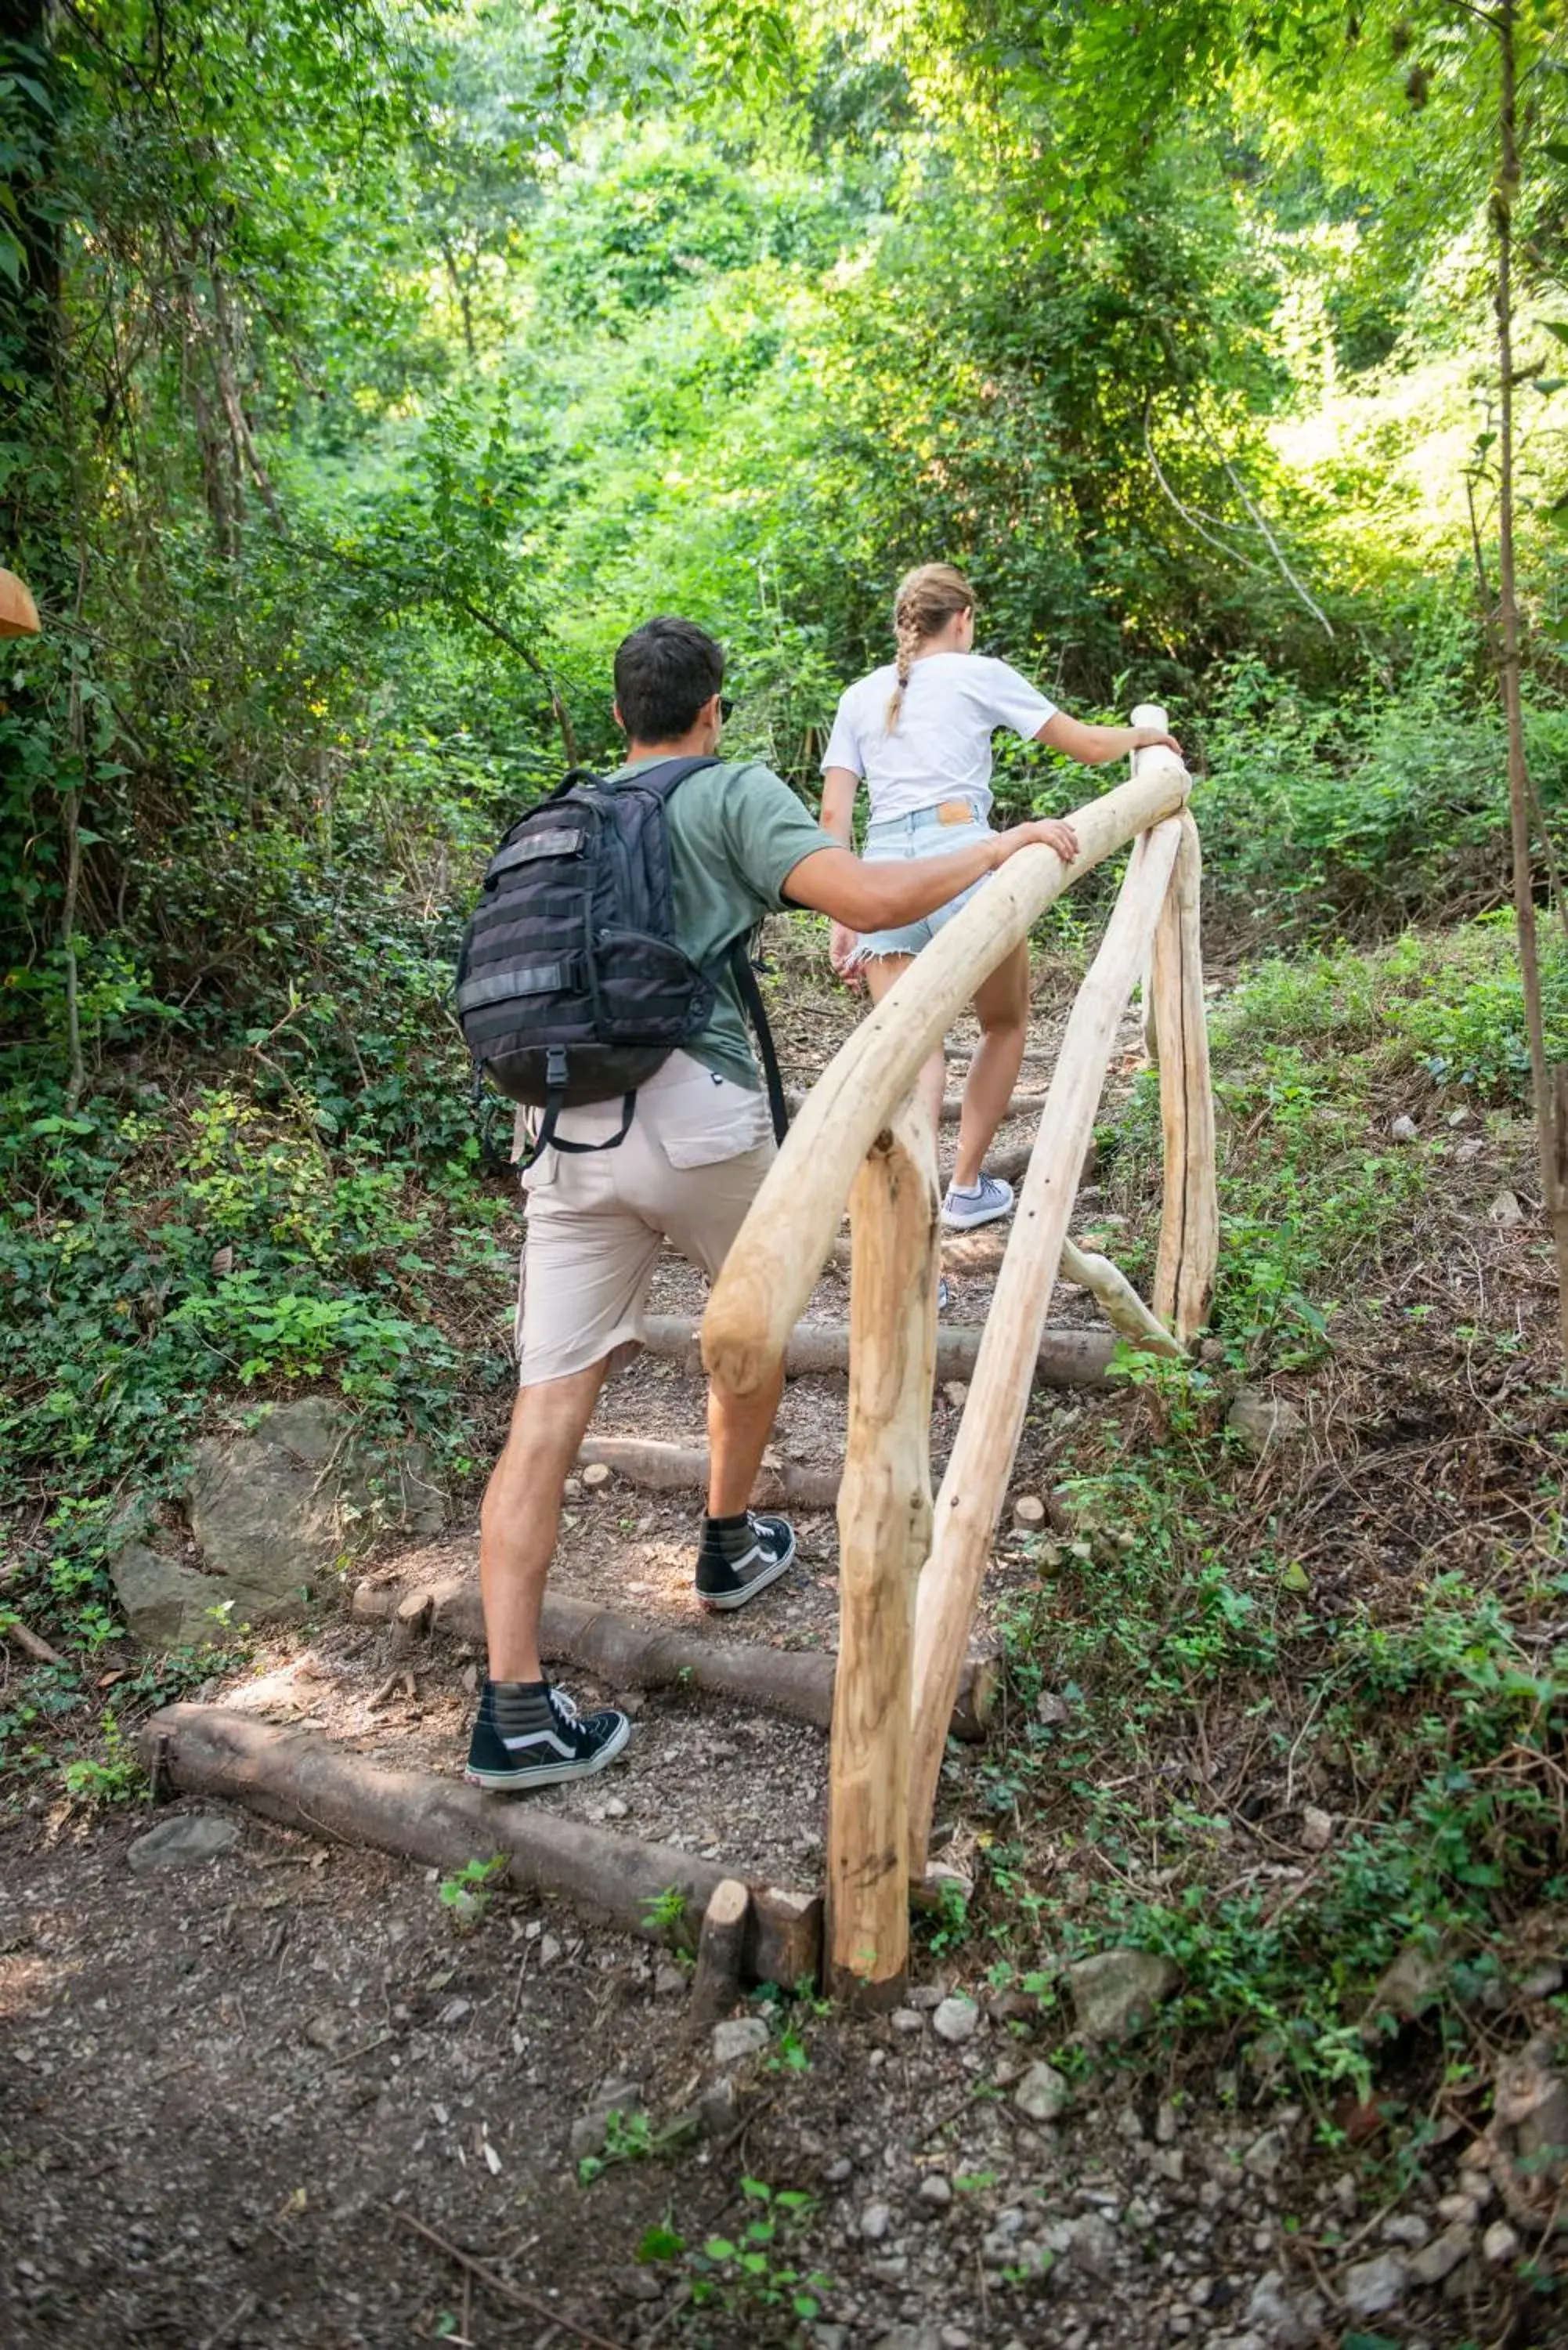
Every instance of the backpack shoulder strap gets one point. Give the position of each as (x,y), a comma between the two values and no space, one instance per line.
(662,779)
(756,1013)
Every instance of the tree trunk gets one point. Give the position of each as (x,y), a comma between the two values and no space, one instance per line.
(1550,1084)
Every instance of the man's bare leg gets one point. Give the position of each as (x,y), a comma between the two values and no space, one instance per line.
(738,1431)
(521,1514)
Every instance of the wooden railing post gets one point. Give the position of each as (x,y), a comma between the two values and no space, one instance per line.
(1189,1219)
(981,1460)
(884,1529)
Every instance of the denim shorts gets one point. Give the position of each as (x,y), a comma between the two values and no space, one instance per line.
(929,832)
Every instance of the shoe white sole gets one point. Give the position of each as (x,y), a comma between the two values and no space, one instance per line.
(553,1774)
(956,1220)
(725,1603)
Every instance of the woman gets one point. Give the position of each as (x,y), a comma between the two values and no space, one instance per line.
(918,732)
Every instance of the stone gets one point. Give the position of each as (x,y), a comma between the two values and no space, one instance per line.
(1166,2122)
(272,1509)
(1261,1419)
(1317,1829)
(1542,1983)
(719,2107)
(1499,2244)
(1505,1211)
(591,2128)
(670,1982)
(1406,1988)
(875,2222)
(1531,2100)
(1372,2286)
(936,2192)
(1404,1129)
(1406,2227)
(1459,2210)
(1052,1709)
(907,2020)
(956,2021)
(187,1841)
(738,2038)
(1042,2095)
(1265,2158)
(1093,2244)
(372,1600)
(1430,2264)
(1116,1993)
(1280,2322)
(957,1393)
(1466,1151)
(909,2338)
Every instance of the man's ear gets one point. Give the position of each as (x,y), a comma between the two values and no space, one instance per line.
(615,714)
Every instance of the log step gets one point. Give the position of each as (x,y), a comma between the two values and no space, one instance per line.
(302,1779)
(625,1654)
(1065,1358)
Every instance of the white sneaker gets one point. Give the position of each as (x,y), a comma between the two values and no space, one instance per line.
(983,1203)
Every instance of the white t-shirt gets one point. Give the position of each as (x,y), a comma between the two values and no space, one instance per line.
(953,704)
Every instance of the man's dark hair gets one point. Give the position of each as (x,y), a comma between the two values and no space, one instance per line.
(664,672)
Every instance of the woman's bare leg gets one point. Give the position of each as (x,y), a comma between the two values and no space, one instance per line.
(1001,1007)
(881,971)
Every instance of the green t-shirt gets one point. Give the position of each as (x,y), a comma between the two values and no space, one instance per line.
(735,834)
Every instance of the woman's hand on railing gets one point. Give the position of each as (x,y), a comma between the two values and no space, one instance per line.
(1152,738)
(842,945)
(1041,832)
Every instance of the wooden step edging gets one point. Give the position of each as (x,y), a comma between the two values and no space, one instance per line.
(795,1682)
(302,1780)
(1064,1358)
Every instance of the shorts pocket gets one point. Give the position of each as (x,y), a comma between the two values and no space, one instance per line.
(705,1119)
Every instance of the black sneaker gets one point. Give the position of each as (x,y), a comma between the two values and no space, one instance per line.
(529,1734)
(741,1556)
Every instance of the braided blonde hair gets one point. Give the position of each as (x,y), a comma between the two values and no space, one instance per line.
(926,599)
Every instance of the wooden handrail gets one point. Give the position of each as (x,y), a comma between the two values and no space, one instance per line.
(981,1458)
(780,1248)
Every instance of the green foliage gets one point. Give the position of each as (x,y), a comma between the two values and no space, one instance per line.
(628,2138)
(467,1891)
(749,2275)
(116,1777)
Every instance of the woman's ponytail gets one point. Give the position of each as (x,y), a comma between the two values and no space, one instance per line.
(926,599)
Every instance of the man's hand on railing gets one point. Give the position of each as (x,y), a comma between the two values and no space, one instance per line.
(842,942)
(1043,832)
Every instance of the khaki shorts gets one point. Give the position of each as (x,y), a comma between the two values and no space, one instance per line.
(687,1172)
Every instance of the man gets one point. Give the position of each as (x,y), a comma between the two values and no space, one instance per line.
(740,846)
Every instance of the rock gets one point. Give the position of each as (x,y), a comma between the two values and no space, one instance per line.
(1093,2244)
(875,2222)
(670,1982)
(1372,2286)
(616,1808)
(956,2021)
(1265,2158)
(738,2038)
(1460,2211)
(372,1600)
(936,2192)
(1432,2262)
(1166,2122)
(1468,1151)
(1406,2227)
(1116,1993)
(183,1842)
(957,1393)
(1407,1988)
(1043,2094)
(1029,1513)
(1499,2244)
(596,1474)
(1261,1419)
(907,2020)
(1505,1211)
(591,2128)
(549,1949)
(1542,1983)
(1531,2099)
(1280,2321)
(1052,1710)
(1317,1829)
(273,1512)
(1404,1129)
(830,2337)
(719,2107)
(909,2338)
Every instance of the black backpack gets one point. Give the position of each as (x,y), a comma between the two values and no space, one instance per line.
(570,985)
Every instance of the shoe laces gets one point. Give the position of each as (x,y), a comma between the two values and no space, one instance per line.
(565,1706)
